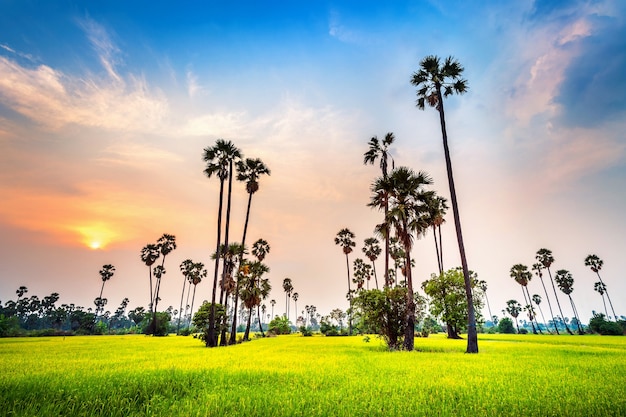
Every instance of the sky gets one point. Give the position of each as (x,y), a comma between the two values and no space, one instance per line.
(106,107)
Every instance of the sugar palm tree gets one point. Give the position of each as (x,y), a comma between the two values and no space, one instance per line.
(537,300)
(219,160)
(358,274)
(253,290)
(595,263)
(106,273)
(295,297)
(272,303)
(166,244)
(379,149)
(565,282)
(228,285)
(601,289)
(197,273)
(149,254)
(437,207)
(434,81)
(288,288)
(482,284)
(522,276)
(545,258)
(345,239)
(185,268)
(406,216)
(372,250)
(260,249)
(537,267)
(514,308)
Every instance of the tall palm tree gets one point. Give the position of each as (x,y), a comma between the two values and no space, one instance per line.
(219,159)
(149,254)
(537,267)
(601,289)
(273,303)
(253,290)
(106,273)
(437,207)
(537,300)
(372,250)
(260,249)
(407,217)
(514,308)
(358,274)
(288,288)
(185,268)
(435,81)
(380,150)
(295,297)
(565,282)
(522,276)
(545,258)
(197,273)
(158,273)
(166,244)
(345,239)
(482,284)
(595,263)
(228,284)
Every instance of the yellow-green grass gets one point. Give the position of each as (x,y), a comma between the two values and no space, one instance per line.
(513,375)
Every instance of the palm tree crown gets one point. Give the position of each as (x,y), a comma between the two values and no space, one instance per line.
(345,239)
(432,77)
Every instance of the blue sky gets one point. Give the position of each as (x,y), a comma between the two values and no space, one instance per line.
(105,108)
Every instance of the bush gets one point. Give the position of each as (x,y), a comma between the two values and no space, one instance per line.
(280,325)
(306,331)
(506,326)
(598,324)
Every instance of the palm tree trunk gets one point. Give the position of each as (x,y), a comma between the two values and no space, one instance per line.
(349,297)
(187,305)
(375,278)
(607,296)
(246,335)
(193,298)
(528,303)
(440,247)
(211,339)
(472,335)
(223,339)
(604,302)
(580,330)
(233,329)
(259,316)
(156,305)
(409,331)
(488,307)
(549,305)
(437,250)
(558,303)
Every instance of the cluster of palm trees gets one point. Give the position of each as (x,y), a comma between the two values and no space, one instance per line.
(106,273)
(149,255)
(240,278)
(410,210)
(564,281)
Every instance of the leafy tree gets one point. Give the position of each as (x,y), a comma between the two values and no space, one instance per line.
(345,239)
(372,250)
(280,325)
(219,159)
(380,150)
(565,282)
(431,79)
(545,258)
(506,326)
(202,318)
(447,299)
(598,324)
(537,267)
(385,313)
(595,263)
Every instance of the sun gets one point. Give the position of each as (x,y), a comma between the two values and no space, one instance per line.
(95,245)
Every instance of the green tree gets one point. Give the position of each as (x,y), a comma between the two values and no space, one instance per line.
(446,293)
(219,160)
(405,190)
(565,281)
(372,250)
(506,326)
(435,81)
(379,149)
(545,258)
(538,267)
(595,263)
(345,239)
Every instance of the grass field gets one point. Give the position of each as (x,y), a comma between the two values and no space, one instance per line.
(513,375)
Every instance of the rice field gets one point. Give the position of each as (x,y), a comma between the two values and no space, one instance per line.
(513,375)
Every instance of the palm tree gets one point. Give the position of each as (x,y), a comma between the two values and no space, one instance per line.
(545,258)
(430,80)
(149,254)
(595,263)
(253,290)
(482,284)
(166,244)
(565,282)
(380,149)
(197,273)
(522,276)
(106,273)
(288,288)
(601,289)
(228,285)
(219,159)
(295,297)
(260,249)
(537,267)
(436,211)
(514,308)
(406,216)
(372,250)
(273,303)
(537,300)
(345,239)
(358,274)
(185,268)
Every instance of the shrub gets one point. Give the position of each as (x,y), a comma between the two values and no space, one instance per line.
(598,324)
(306,331)
(506,326)
(280,325)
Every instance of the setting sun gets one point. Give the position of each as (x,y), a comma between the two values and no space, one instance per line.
(94,245)
(96,235)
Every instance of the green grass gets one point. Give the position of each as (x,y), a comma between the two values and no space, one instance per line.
(513,375)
